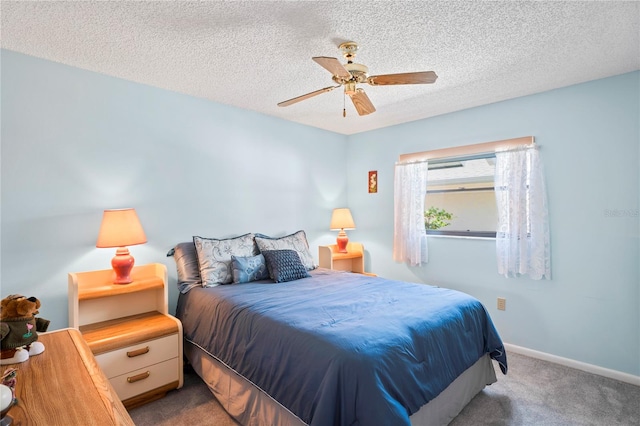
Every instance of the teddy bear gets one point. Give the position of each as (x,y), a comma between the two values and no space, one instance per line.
(19,327)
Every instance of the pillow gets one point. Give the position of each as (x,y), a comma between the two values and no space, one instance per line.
(296,241)
(186,260)
(214,257)
(247,269)
(284,265)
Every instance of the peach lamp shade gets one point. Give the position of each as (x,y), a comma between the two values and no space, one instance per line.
(341,219)
(121,228)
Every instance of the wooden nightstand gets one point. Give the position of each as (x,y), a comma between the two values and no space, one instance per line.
(352,261)
(64,386)
(136,342)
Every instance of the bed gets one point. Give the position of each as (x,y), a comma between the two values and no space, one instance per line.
(334,348)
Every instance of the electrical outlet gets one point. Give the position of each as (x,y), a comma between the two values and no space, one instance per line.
(502,304)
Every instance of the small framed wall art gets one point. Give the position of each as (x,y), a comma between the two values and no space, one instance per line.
(373,182)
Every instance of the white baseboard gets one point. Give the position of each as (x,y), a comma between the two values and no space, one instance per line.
(578,365)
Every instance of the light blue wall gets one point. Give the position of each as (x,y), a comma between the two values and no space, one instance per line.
(196,167)
(75,142)
(590,138)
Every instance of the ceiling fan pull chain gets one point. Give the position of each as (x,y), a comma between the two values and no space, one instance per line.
(344,105)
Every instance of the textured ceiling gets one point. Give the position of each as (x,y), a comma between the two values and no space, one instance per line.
(254,54)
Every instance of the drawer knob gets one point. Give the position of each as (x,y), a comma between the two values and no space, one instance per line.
(138,377)
(138,352)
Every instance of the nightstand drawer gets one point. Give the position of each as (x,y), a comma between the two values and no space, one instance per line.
(138,356)
(145,379)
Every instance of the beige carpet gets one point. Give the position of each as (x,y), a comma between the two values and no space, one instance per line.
(193,405)
(533,393)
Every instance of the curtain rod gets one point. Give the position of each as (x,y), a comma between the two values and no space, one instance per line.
(466,150)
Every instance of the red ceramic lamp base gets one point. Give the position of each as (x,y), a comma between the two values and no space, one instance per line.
(122,264)
(342,241)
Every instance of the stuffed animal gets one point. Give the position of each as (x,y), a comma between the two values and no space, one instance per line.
(19,327)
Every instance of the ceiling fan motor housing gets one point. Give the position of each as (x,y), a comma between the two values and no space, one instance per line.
(359,74)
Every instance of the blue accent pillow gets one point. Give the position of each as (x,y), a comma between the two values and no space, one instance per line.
(250,268)
(284,265)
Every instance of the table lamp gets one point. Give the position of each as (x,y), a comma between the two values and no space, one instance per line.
(121,228)
(340,220)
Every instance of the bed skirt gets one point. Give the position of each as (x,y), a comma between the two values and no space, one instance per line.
(251,406)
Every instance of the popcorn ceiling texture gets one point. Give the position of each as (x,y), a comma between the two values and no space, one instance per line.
(254,54)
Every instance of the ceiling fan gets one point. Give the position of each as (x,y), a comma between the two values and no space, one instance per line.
(351,74)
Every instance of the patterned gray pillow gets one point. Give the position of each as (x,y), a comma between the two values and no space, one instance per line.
(284,265)
(296,241)
(214,257)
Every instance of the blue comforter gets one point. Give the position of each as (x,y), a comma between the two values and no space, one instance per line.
(342,348)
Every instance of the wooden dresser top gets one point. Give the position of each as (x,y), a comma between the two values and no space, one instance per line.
(65,386)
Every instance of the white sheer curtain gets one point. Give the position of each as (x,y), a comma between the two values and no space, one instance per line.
(522,237)
(410,236)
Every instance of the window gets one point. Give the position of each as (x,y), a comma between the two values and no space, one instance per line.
(522,243)
(460,198)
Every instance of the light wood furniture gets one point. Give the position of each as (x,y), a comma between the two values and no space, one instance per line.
(352,261)
(136,342)
(65,386)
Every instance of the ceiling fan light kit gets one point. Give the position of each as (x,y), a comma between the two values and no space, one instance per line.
(351,74)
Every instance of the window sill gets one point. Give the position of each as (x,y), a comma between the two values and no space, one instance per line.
(462,235)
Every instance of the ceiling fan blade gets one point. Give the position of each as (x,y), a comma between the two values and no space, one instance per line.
(423,77)
(307,96)
(362,102)
(333,66)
